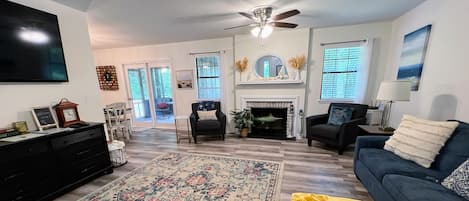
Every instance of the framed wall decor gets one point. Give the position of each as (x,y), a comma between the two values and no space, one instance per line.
(107,77)
(44,118)
(184,79)
(413,56)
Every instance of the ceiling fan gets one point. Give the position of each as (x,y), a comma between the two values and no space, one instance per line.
(264,21)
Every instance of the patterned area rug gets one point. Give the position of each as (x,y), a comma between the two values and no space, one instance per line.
(177,176)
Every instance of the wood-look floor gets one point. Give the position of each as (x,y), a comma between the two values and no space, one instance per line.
(316,169)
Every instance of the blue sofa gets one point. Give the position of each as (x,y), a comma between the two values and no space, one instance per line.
(387,177)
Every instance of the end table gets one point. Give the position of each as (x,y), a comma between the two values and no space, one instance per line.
(373,130)
(182,132)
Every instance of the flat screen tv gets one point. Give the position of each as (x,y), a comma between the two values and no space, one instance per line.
(30,45)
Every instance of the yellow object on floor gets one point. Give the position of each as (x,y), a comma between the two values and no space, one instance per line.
(316,197)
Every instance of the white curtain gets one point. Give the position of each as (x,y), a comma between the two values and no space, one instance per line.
(364,71)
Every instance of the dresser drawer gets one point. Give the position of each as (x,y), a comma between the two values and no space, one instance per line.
(87,168)
(64,141)
(23,151)
(81,151)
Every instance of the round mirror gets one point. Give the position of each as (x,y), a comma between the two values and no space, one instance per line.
(269,66)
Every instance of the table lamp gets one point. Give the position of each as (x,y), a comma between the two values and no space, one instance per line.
(391,91)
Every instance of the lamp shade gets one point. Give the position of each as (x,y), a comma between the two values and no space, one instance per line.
(394,91)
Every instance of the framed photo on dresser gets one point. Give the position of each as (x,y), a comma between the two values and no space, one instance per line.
(44,118)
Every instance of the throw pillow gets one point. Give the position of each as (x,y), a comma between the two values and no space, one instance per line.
(207,115)
(420,140)
(207,105)
(458,181)
(339,115)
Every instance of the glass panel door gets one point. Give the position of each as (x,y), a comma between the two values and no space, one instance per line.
(139,95)
(163,94)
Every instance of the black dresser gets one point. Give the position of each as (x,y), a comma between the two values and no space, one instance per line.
(46,167)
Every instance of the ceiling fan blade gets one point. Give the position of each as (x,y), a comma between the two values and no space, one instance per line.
(240,26)
(250,16)
(287,14)
(283,25)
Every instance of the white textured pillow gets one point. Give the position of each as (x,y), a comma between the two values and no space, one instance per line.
(420,140)
(207,115)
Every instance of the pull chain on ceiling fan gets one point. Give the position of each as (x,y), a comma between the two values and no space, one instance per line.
(264,21)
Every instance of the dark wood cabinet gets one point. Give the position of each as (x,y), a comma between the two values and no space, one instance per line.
(45,167)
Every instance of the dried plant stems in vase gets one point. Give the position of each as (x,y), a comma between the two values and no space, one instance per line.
(241,66)
(297,63)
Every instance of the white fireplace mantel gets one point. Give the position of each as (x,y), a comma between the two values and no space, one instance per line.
(294,100)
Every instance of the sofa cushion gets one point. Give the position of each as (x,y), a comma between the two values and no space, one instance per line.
(381,162)
(325,131)
(207,125)
(454,152)
(420,140)
(405,188)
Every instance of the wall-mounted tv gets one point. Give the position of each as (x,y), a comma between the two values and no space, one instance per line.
(30,45)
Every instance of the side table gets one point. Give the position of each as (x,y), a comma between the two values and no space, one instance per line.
(374,130)
(182,132)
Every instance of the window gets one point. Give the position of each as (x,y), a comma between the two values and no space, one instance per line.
(208,77)
(340,72)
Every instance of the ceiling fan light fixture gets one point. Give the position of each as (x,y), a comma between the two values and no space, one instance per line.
(266,31)
(255,31)
(262,32)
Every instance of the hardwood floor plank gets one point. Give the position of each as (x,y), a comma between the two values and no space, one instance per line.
(316,169)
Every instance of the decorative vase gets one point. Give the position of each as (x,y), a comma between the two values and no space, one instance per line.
(244,132)
(297,75)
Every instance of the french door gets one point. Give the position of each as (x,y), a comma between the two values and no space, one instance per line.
(150,94)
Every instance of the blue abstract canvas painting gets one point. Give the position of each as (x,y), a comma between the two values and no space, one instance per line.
(413,56)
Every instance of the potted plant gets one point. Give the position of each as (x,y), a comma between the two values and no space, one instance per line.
(242,120)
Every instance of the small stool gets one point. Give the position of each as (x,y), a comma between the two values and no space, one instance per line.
(182,133)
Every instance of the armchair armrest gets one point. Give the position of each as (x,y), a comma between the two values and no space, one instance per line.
(221,116)
(317,119)
(376,142)
(193,120)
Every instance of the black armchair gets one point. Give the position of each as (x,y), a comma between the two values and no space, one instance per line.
(340,136)
(208,127)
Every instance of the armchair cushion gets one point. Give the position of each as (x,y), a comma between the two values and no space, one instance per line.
(339,115)
(326,131)
(208,125)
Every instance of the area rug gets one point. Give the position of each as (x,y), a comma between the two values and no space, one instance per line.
(177,176)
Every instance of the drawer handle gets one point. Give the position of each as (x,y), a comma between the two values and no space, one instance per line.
(87,169)
(83,152)
(13,176)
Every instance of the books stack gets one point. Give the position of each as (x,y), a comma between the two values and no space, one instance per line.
(8,132)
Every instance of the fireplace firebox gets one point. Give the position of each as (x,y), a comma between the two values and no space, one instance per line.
(269,123)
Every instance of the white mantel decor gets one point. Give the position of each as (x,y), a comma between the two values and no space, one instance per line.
(293,118)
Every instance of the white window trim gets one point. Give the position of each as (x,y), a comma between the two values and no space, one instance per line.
(335,100)
(219,55)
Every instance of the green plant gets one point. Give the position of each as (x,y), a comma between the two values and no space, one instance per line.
(242,119)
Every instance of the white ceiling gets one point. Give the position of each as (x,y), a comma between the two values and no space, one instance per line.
(121,23)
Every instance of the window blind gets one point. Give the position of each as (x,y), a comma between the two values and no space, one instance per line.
(340,72)
(208,77)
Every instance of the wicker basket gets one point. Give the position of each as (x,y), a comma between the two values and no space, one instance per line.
(117,153)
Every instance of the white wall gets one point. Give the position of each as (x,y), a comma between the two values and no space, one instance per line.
(442,94)
(381,32)
(178,54)
(283,44)
(18,98)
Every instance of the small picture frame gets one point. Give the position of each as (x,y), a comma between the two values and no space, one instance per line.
(44,118)
(184,79)
(21,126)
